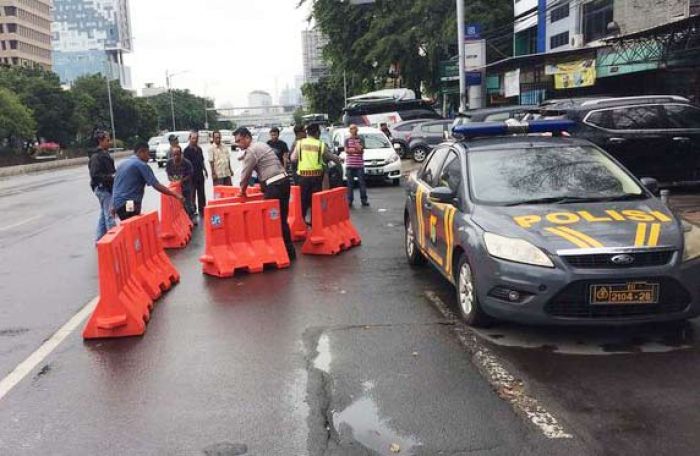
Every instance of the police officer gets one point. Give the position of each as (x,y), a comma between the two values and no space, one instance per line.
(311,154)
(262,159)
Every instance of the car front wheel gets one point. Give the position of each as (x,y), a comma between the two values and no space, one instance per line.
(420,153)
(468,303)
(413,255)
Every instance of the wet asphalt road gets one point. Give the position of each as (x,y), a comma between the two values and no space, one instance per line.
(339,356)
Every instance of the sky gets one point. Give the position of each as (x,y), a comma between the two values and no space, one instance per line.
(227,48)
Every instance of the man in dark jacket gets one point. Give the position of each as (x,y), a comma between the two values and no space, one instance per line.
(194,154)
(102,171)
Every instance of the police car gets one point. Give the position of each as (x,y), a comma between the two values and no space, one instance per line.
(535,227)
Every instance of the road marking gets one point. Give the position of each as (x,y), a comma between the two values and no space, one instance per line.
(23,222)
(506,385)
(28,365)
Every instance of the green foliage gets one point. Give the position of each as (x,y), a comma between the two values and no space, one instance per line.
(16,122)
(326,96)
(364,41)
(189,111)
(54,109)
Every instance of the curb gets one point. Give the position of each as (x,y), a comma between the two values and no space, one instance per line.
(9,171)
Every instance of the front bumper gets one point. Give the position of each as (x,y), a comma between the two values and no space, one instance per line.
(560,296)
(391,171)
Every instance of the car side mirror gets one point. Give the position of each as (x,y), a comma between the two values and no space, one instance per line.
(650,184)
(442,195)
(340,149)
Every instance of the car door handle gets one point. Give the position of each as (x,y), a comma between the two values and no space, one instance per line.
(616,140)
(681,139)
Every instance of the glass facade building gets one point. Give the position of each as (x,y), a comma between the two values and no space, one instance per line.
(91,36)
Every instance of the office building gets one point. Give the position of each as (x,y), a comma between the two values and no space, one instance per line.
(91,36)
(313,42)
(25,33)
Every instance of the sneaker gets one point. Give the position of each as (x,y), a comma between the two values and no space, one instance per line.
(365,204)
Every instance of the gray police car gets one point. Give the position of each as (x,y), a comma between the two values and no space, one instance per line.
(548,230)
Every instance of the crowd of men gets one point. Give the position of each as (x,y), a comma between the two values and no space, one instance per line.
(273,165)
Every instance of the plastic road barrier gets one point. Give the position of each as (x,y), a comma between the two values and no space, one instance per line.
(133,270)
(245,236)
(297,225)
(175,224)
(226,191)
(331,229)
(236,199)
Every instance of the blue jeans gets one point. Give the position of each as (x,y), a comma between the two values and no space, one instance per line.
(106,221)
(350,175)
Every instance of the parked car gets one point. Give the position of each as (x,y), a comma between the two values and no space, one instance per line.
(653,136)
(163,150)
(425,136)
(153,146)
(548,230)
(381,160)
(389,106)
(401,134)
(226,137)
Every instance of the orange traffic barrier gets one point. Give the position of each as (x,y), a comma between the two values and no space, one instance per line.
(331,228)
(152,267)
(244,236)
(226,191)
(175,224)
(236,199)
(297,225)
(133,271)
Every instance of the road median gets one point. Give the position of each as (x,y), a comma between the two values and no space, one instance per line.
(18,170)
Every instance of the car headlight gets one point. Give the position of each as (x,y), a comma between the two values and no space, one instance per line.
(393,159)
(691,241)
(516,250)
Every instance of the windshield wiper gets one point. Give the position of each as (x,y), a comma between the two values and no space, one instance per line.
(578,199)
(549,200)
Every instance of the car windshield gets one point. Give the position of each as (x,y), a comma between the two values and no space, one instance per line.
(547,175)
(263,136)
(375,141)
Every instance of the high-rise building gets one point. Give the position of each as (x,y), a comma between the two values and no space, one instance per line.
(25,32)
(313,42)
(259,99)
(91,36)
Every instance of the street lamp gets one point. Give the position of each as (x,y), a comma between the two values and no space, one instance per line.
(168,78)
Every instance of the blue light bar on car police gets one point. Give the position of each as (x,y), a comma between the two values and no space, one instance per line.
(472,130)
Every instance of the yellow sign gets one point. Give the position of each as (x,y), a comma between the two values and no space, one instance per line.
(609,216)
(570,75)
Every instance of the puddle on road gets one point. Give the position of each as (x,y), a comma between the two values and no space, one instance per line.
(322,361)
(593,341)
(361,422)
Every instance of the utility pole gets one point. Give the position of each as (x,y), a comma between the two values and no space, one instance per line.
(345,87)
(462,57)
(108,77)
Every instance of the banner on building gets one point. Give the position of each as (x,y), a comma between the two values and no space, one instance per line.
(511,83)
(571,75)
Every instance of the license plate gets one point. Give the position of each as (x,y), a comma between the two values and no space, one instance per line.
(625,293)
(374,172)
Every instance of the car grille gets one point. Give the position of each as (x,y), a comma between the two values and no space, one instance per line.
(641,259)
(375,163)
(573,301)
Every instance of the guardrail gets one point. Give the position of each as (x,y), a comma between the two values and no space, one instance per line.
(18,170)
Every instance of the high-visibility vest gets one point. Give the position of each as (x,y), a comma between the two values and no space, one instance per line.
(310,157)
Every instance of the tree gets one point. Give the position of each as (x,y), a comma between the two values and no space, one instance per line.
(16,122)
(325,96)
(135,119)
(189,111)
(54,109)
(364,41)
